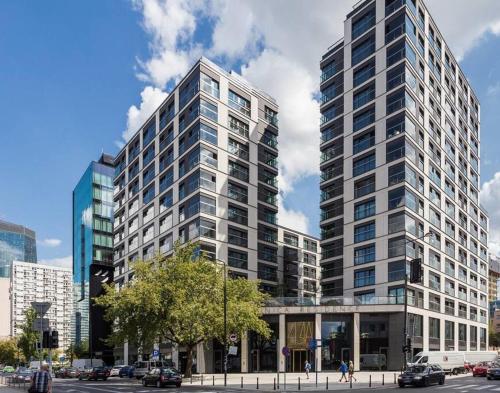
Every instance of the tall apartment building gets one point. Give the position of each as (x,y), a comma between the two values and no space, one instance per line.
(42,283)
(92,254)
(493,279)
(202,168)
(400,159)
(17,243)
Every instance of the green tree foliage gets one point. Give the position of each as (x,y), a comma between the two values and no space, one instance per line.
(180,299)
(29,337)
(8,351)
(77,351)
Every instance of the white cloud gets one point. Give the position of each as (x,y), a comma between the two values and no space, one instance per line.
(151,98)
(59,262)
(490,200)
(293,219)
(49,242)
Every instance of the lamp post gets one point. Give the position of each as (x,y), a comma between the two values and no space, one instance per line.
(405,322)
(224,353)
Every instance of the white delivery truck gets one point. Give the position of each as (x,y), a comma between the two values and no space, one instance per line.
(453,361)
(83,364)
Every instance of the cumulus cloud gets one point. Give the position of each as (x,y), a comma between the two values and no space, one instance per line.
(490,200)
(49,242)
(58,262)
(293,219)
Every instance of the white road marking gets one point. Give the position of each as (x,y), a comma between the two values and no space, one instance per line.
(484,387)
(465,387)
(496,390)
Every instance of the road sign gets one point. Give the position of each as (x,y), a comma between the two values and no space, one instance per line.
(41,324)
(41,307)
(233,337)
(155,353)
(233,350)
(285,351)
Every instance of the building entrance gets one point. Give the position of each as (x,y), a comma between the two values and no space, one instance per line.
(299,357)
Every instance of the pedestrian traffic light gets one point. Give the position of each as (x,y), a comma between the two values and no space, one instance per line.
(46,339)
(54,339)
(416,271)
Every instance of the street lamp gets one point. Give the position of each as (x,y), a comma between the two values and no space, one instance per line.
(405,326)
(225,321)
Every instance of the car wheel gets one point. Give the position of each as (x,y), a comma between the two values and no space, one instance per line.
(178,385)
(143,382)
(441,381)
(426,382)
(489,378)
(401,385)
(455,371)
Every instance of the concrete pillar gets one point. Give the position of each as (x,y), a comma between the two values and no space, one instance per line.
(244,353)
(425,333)
(125,353)
(455,336)
(200,358)
(282,342)
(355,340)
(317,321)
(175,356)
(441,335)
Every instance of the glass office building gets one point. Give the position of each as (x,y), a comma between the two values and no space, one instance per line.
(17,243)
(92,252)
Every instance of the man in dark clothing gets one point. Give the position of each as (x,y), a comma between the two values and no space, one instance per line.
(41,381)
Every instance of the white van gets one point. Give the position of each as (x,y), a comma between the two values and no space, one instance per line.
(141,367)
(475,357)
(450,361)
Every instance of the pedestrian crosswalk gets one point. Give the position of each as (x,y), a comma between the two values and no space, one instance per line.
(470,387)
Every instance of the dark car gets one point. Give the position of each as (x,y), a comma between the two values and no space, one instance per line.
(23,376)
(94,373)
(161,377)
(480,369)
(67,372)
(422,376)
(126,372)
(493,371)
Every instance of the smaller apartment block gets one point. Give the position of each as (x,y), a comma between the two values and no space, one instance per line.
(42,283)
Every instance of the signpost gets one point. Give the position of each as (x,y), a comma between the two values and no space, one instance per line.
(286,353)
(233,350)
(155,354)
(233,337)
(41,309)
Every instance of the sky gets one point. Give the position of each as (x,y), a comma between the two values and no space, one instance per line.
(79,78)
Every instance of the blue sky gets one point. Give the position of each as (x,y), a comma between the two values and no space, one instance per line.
(70,72)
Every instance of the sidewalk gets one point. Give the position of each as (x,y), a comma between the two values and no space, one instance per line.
(291,381)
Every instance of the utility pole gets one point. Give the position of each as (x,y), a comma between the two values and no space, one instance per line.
(225,325)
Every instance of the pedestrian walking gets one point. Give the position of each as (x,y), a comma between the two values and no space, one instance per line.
(307,368)
(343,369)
(41,382)
(351,372)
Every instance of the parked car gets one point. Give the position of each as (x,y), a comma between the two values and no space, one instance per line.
(493,371)
(23,376)
(115,371)
(480,369)
(8,369)
(422,376)
(67,372)
(126,372)
(94,373)
(161,377)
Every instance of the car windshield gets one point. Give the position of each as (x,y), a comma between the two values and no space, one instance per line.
(170,370)
(416,369)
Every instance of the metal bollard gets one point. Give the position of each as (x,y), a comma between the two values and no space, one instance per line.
(394,378)
(213,380)
(370,383)
(383,379)
(350,382)
(242,382)
(201,379)
(326,383)
(191,379)
(299,383)
(257,383)
(274,387)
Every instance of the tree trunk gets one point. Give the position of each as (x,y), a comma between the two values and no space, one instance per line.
(189,362)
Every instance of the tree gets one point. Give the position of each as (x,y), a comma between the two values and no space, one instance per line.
(8,351)
(77,350)
(29,337)
(180,299)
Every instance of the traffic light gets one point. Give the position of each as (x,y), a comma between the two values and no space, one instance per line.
(407,346)
(46,339)
(416,271)
(54,339)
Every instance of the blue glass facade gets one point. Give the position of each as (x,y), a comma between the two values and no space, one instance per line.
(17,243)
(92,250)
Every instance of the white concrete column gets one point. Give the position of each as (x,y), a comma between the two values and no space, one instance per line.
(441,335)
(175,356)
(200,358)
(282,342)
(125,353)
(355,340)
(455,335)
(425,333)
(244,353)
(317,321)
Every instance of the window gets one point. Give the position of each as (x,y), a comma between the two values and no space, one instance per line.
(363,96)
(149,132)
(239,171)
(238,126)
(237,192)
(363,142)
(363,73)
(362,24)
(166,201)
(396,295)
(363,119)
(364,209)
(239,103)
(364,297)
(290,239)
(362,278)
(364,187)
(238,259)
(167,179)
(237,214)
(148,194)
(400,197)
(399,124)
(364,254)
(209,85)
(399,51)
(237,236)
(398,100)
(396,270)
(399,25)
(362,50)
(237,148)
(364,232)
(208,109)
(363,165)
(434,330)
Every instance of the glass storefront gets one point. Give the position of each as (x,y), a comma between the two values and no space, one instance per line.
(336,343)
(263,352)
(374,341)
